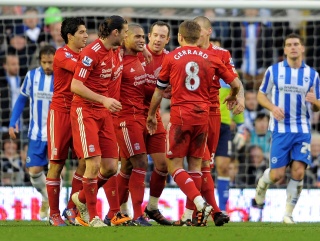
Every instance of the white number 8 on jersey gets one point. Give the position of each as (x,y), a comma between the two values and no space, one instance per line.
(192,81)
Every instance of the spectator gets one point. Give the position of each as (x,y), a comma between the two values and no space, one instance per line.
(256,165)
(314,171)
(11,171)
(261,136)
(235,181)
(55,38)
(32,27)
(9,88)
(250,111)
(252,48)
(7,24)
(53,21)
(18,45)
(52,15)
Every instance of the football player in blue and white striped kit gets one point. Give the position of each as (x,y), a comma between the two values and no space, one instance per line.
(38,88)
(290,84)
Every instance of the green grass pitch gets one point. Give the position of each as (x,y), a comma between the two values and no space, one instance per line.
(246,231)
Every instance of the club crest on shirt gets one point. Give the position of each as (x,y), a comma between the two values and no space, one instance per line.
(86,61)
(91,148)
(306,79)
(68,55)
(136,146)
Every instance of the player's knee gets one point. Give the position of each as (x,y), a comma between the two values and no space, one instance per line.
(298,174)
(205,164)
(56,166)
(162,167)
(276,176)
(139,161)
(222,170)
(140,165)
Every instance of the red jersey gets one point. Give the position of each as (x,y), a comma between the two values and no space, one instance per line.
(64,64)
(225,56)
(191,71)
(94,69)
(152,71)
(132,88)
(114,84)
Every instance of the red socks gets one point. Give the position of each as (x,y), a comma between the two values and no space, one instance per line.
(53,189)
(76,186)
(207,189)
(123,187)
(136,187)
(90,189)
(186,184)
(157,182)
(111,190)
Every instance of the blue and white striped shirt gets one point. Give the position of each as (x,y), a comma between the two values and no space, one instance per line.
(39,88)
(288,88)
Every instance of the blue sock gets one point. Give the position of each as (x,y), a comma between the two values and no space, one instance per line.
(223,192)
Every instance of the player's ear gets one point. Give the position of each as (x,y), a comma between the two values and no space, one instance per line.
(168,39)
(115,32)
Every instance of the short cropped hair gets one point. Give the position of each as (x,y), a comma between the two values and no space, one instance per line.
(190,31)
(206,23)
(160,23)
(293,35)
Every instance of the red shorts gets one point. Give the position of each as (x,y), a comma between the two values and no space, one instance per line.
(93,132)
(59,135)
(131,136)
(213,132)
(186,140)
(156,143)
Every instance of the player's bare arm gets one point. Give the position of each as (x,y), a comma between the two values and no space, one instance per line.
(239,108)
(12,133)
(167,92)
(311,97)
(79,88)
(155,102)
(231,99)
(277,112)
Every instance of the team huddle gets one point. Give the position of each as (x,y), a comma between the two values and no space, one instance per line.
(108,94)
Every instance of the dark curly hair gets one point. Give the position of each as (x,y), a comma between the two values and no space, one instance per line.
(109,24)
